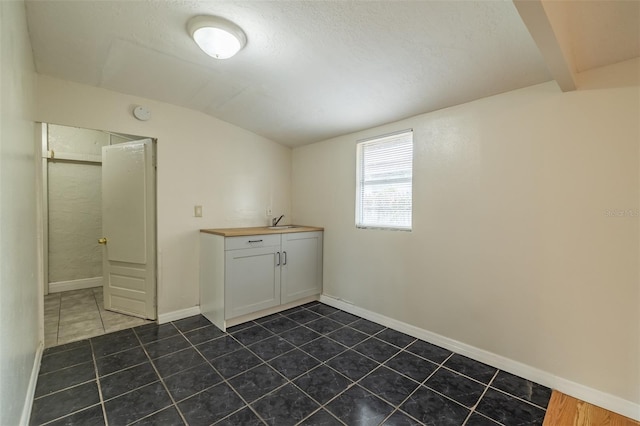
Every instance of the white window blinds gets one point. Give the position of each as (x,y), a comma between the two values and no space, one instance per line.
(384,182)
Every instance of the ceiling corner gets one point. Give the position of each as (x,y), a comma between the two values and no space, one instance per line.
(548,27)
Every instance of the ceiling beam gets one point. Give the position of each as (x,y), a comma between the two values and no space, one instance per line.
(548,36)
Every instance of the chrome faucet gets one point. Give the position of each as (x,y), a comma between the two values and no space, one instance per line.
(275,221)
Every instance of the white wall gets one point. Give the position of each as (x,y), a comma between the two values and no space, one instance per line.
(517,247)
(233,173)
(75,205)
(19,289)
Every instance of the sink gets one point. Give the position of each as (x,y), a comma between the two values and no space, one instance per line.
(283,227)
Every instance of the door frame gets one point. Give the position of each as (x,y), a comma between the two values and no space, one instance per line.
(42,129)
(42,203)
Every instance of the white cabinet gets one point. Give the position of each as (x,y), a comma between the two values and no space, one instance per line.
(253,275)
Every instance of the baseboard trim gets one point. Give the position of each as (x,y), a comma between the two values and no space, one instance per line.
(80,284)
(178,315)
(577,390)
(31,389)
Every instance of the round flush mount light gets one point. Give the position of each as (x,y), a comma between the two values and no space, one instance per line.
(217,37)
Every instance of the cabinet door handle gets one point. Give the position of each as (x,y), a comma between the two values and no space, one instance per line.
(255,241)
(278,254)
(284,261)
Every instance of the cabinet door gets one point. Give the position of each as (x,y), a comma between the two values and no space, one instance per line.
(301,265)
(252,280)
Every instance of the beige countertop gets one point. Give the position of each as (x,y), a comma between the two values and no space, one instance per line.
(259,230)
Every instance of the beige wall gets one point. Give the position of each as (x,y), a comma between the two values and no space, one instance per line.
(74,205)
(518,244)
(19,289)
(233,173)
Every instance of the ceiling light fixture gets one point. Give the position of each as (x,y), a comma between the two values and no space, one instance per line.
(217,37)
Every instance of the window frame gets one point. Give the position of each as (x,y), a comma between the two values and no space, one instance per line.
(360,181)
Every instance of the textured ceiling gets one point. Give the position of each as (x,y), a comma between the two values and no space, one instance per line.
(311,69)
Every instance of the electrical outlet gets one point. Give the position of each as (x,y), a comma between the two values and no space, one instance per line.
(268,211)
(197,211)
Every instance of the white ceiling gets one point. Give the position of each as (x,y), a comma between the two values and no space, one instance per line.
(316,69)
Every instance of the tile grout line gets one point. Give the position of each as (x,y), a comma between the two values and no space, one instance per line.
(287,380)
(100,402)
(422,383)
(263,362)
(489,386)
(290,382)
(160,379)
(62,294)
(124,369)
(68,387)
(473,409)
(517,397)
(95,366)
(353,382)
(224,379)
(322,363)
(49,422)
(404,349)
(333,398)
(104,328)
(441,365)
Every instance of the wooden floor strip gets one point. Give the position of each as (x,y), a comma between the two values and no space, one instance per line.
(564,410)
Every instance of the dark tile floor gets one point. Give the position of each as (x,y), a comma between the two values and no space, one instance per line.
(311,365)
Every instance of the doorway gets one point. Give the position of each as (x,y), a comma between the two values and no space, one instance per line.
(73,260)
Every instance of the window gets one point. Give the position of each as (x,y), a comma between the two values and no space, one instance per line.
(385,170)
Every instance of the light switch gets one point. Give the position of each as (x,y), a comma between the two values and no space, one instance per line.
(197,211)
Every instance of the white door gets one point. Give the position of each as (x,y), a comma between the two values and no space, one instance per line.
(301,265)
(252,280)
(129,228)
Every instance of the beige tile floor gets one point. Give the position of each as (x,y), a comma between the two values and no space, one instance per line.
(79,314)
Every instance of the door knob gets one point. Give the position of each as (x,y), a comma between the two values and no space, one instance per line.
(102,240)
